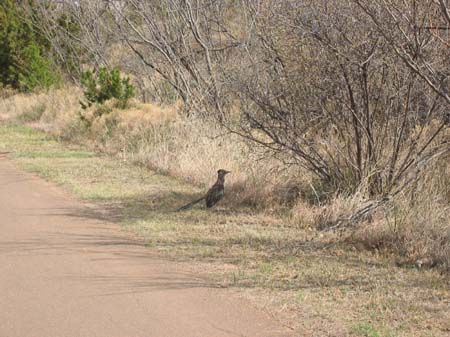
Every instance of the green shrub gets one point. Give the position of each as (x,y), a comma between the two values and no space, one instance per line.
(104,85)
(37,71)
(23,61)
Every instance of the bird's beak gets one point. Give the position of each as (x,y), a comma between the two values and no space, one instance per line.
(226,172)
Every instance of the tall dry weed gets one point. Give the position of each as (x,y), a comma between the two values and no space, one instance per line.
(50,110)
(414,225)
(194,150)
(161,139)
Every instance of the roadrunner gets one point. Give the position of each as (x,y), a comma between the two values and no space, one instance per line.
(215,193)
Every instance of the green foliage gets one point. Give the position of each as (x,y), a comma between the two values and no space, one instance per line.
(22,61)
(105,85)
(36,71)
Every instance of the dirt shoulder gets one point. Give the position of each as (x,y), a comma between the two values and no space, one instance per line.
(318,287)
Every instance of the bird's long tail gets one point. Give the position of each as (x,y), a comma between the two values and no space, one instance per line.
(192,203)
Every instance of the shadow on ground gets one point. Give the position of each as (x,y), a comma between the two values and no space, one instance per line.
(285,261)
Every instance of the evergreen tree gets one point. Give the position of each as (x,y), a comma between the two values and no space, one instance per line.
(22,61)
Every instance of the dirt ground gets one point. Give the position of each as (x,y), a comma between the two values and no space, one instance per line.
(63,273)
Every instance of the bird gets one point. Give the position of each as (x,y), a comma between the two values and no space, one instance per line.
(214,194)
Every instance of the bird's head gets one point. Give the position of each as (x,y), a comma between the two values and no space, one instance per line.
(222,173)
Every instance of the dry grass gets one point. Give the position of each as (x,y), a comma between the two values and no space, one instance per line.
(321,286)
(193,149)
(159,138)
(416,224)
(413,226)
(51,109)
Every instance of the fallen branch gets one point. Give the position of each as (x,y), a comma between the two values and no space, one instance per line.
(358,215)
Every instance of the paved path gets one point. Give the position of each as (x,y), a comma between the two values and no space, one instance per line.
(64,273)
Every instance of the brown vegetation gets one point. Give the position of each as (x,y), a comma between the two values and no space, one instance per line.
(414,224)
(335,112)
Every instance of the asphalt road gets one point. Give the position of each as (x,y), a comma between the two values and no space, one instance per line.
(66,272)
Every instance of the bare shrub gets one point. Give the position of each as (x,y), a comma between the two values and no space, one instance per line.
(415,225)
(336,99)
